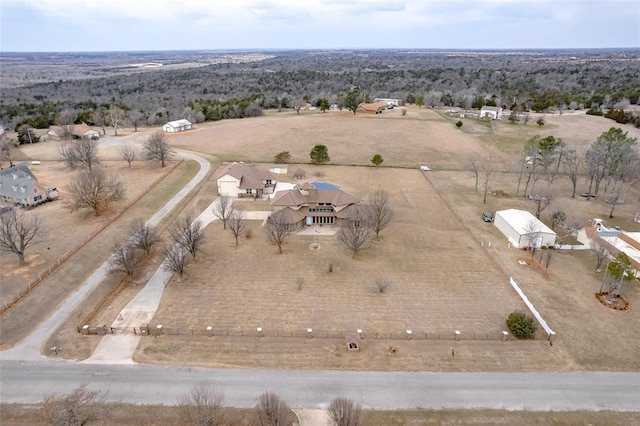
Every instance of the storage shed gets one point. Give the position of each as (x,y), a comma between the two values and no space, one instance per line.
(523,229)
(177,126)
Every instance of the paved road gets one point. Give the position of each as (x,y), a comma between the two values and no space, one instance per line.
(28,381)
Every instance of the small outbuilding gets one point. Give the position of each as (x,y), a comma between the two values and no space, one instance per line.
(491,113)
(523,229)
(177,126)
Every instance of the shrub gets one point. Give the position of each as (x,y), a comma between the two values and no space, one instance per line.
(459,124)
(521,325)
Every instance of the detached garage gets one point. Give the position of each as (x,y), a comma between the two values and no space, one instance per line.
(523,229)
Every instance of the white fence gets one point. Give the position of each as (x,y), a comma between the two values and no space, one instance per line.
(533,310)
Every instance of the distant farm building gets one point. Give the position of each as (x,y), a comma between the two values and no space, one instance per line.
(279,169)
(491,113)
(177,126)
(388,101)
(523,229)
(19,186)
(240,180)
(371,108)
(77,131)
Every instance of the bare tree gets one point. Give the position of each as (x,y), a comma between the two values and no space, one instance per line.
(272,411)
(345,412)
(17,233)
(67,154)
(222,209)
(532,229)
(136,118)
(486,169)
(6,148)
(101,119)
(95,189)
(86,152)
(189,234)
(79,407)
(380,212)
(626,173)
(277,228)
(474,163)
(355,232)
(128,153)
(202,405)
(157,148)
(601,253)
(541,202)
(558,218)
(572,162)
(237,223)
(144,237)
(175,260)
(125,258)
(116,116)
(66,120)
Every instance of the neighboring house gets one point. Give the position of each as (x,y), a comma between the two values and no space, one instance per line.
(19,186)
(491,113)
(177,126)
(279,169)
(314,203)
(78,131)
(623,242)
(388,101)
(372,108)
(240,180)
(523,229)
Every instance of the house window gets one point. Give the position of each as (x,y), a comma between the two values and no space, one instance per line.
(248,191)
(268,182)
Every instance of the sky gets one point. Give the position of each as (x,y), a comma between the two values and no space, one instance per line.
(134,25)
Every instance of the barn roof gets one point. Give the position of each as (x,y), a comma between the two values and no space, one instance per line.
(523,222)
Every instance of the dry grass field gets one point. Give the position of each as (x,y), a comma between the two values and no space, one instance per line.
(442,279)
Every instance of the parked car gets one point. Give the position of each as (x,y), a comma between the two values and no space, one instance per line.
(487,217)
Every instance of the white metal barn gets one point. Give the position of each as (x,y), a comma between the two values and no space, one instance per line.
(177,126)
(523,229)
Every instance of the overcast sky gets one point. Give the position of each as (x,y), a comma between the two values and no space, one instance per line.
(116,25)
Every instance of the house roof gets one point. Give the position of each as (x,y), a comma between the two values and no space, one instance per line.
(491,108)
(296,197)
(627,242)
(373,106)
(523,221)
(178,123)
(250,177)
(17,182)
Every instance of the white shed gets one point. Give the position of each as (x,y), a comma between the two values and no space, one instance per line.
(177,126)
(523,229)
(491,112)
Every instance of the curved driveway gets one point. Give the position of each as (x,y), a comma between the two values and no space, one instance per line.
(29,349)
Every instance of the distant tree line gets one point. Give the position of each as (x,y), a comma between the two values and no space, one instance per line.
(544,81)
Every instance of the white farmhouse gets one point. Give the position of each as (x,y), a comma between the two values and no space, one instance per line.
(491,113)
(177,126)
(523,229)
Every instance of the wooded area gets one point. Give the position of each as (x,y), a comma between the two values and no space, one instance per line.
(203,86)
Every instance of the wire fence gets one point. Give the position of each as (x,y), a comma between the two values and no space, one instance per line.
(60,261)
(157,330)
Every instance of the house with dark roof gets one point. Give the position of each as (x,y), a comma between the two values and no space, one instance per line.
(314,203)
(240,180)
(19,186)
